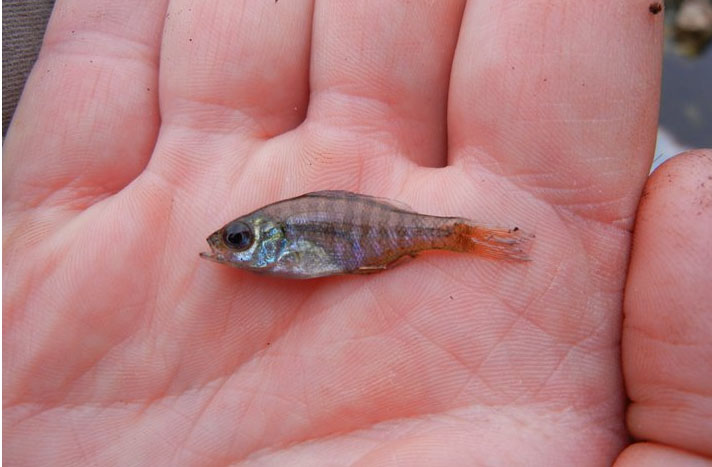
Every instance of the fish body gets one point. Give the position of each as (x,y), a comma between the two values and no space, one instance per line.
(338,232)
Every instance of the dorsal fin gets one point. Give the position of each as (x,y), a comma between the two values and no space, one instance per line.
(342,194)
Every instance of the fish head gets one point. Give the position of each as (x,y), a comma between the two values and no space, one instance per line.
(253,242)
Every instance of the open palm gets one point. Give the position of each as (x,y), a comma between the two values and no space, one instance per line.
(145,127)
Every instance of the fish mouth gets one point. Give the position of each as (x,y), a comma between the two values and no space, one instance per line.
(213,256)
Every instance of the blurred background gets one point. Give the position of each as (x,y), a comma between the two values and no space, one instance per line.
(686,99)
(685,105)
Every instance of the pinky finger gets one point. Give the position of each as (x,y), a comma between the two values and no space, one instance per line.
(88,117)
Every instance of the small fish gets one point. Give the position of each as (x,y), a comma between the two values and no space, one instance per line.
(338,232)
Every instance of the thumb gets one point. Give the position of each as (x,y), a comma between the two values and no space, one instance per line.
(668,319)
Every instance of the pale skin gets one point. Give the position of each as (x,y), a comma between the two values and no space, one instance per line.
(121,346)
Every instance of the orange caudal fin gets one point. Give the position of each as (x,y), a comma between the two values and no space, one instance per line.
(496,243)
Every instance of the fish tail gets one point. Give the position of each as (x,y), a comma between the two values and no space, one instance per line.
(496,243)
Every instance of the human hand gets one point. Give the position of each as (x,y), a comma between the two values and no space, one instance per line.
(122,346)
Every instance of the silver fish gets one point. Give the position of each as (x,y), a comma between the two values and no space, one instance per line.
(327,233)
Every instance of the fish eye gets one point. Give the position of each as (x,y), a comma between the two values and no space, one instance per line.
(238,236)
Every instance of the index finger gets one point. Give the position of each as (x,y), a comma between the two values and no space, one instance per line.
(560,97)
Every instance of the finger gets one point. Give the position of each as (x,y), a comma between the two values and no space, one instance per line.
(655,455)
(381,69)
(88,117)
(561,97)
(236,66)
(668,320)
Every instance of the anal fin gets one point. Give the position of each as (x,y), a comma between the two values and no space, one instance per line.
(370,269)
(374,268)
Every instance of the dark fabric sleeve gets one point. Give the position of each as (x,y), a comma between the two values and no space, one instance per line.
(23,26)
